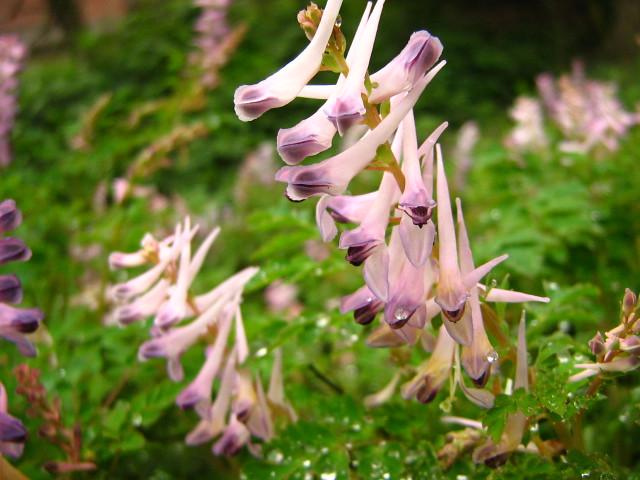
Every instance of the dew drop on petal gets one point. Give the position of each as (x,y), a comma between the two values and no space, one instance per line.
(338,23)
(492,356)
(401,314)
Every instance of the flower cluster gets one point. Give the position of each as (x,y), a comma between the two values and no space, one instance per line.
(486,450)
(12,54)
(15,323)
(216,39)
(619,349)
(587,112)
(241,407)
(406,278)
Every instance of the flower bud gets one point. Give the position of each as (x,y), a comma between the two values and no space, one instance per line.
(596,344)
(629,302)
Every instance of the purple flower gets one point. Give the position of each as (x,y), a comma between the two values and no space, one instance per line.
(12,53)
(333,175)
(12,431)
(420,54)
(251,101)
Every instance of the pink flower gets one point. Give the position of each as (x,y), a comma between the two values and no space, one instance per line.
(251,101)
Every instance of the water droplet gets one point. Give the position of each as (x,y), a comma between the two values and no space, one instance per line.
(306,463)
(492,356)
(136,420)
(328,476)
(261,352)
(401,314)
(338,21)
(322,322)
(275,456)
(369,299)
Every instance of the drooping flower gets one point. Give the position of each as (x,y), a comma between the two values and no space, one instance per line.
(315,134)
(453,287)
(333,175)
(15,323)
(184,319)
(495,454)
(277,90)
(12,431)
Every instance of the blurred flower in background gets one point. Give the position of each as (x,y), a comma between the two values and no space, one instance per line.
(528,134)
(216,39)
(587,112)
(241,408)
(12,55)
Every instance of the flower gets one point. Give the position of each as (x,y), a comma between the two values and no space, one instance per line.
(332,175)
(453,287)
(345,107)
(12,55)
(419,55)
(619,349)
(15,323)
(315,134)
(215,39)
(12,431)
(277,90)
(495,454)
(240,409)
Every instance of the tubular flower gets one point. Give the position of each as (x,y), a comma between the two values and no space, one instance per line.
(251,101)
(432,374)
(453,287)
(12,54)
(495,454)
(413,268)
(619,349)
(15,323)
(240,409)
(12,431)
